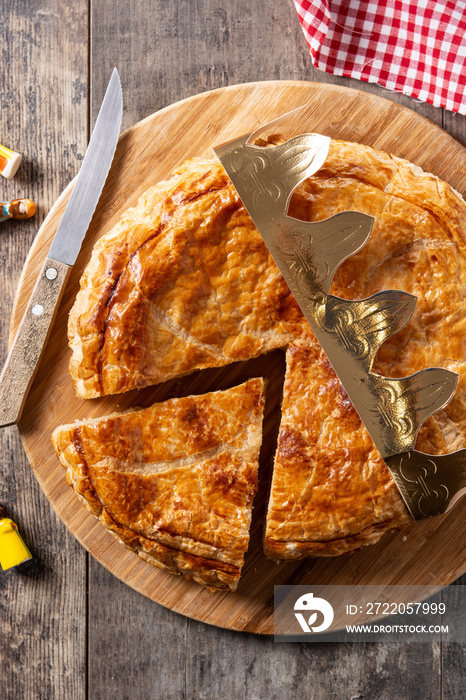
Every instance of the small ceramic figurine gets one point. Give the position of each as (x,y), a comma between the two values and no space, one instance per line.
(9,162)
(17,209)
(13,551)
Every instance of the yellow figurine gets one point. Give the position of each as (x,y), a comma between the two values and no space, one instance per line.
(13,551)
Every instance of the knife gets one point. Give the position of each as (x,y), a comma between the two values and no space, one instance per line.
(24,356)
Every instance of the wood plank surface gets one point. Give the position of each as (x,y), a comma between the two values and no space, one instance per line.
(43,97)
(137,649)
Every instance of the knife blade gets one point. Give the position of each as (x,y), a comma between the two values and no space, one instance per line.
(24,356)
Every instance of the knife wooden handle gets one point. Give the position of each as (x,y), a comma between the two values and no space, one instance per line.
(23,358)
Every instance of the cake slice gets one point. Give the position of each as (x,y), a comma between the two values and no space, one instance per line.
(331,492)
(174,482)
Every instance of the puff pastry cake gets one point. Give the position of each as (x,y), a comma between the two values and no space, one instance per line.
(174,482)
(184,282)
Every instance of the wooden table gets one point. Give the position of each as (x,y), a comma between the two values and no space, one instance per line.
(69,629)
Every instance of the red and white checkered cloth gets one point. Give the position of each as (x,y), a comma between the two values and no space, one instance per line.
(417,48)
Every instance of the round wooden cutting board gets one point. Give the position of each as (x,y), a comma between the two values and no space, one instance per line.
(430,553)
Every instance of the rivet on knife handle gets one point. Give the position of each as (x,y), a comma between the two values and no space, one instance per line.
(23,358)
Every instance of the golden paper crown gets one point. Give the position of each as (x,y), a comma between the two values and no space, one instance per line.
(350,332)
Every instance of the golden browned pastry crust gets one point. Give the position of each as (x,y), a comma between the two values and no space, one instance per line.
(174,482)
(184,282)
(331,492)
